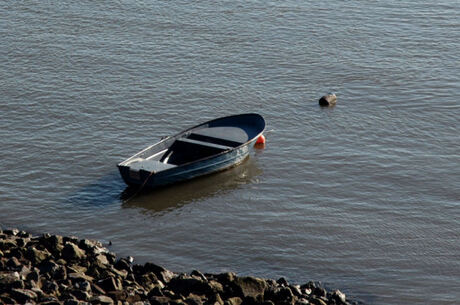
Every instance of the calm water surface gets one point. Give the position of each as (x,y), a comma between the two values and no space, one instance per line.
(364,197)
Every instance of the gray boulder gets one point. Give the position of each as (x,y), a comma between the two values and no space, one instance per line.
(328,100)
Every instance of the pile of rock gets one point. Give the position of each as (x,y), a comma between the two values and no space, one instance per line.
(52,269)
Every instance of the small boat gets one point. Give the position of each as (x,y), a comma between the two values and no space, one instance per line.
(204,149)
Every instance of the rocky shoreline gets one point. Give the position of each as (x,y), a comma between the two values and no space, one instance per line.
(53,269)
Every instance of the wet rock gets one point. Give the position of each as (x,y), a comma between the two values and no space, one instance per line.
(79,277)
(251,286)
(280,295)
(185,285)
(199,275)
(230,287)
(296,290)
(226,278)
(76,269)
(101,299)
(21,242)
(90,245)
(51,302)
(23,295)
(156,300)
(84,286)
(123,264)
(309,285)
(123,274)
(147,279)
(52,269)
(282,282)
(194,299)
(271,283)
(317,301)
(339,297)
(319,291)
(70,239)
(110,284)
(13,263)
(24,271)
(216,286)
(328,100)
(53,243)
(163,274)
(10,280)
(155,292)
(41,295)
(16,252)
(117,295)
(251,301)
(285,296)
(50,287)
(101,260)
(48,267)
(34,275)
(6,299)
(94,271)
(37,256)
(7,244)
(216,299)
(11,232)
(302,301)
(96,289)
(81,295)
(61,261)
(135,297)
(60,273)
(111,257)
(234,301)
(72,252)
(66,295)
(23,234)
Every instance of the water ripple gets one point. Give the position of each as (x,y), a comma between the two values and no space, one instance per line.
(362,196)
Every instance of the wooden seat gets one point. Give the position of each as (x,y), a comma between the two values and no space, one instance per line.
(150,166)
(204,143)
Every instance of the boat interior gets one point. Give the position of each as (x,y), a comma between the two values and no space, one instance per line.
(190,146)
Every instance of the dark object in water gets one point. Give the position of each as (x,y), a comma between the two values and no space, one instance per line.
(328,100)
(200,150)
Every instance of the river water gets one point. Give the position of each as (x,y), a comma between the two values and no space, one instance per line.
(364,196)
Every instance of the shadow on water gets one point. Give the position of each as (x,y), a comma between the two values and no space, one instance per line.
(101,193)
(174,196)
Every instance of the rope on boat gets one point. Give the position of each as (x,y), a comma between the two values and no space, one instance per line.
(140,188)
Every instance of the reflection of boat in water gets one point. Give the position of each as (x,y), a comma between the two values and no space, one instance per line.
(171,197)
(103,191)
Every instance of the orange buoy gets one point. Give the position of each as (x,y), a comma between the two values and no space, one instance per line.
(260,143)
(261,140)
